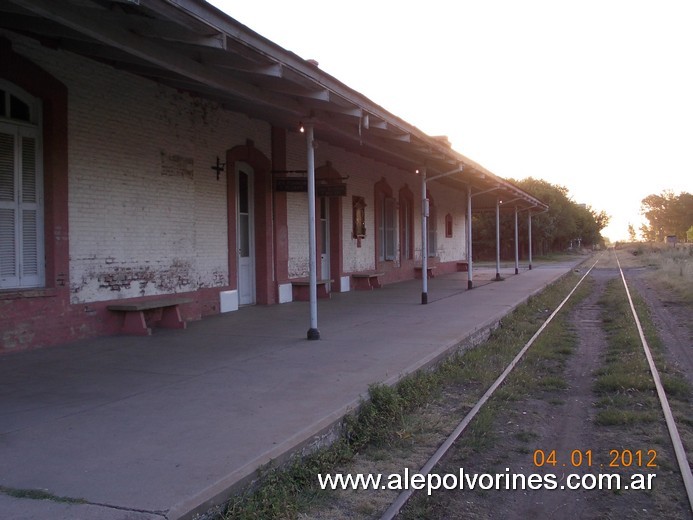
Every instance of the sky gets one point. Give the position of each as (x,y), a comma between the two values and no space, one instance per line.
(592,95)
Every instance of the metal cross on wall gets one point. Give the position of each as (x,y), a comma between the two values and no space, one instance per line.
(219,167)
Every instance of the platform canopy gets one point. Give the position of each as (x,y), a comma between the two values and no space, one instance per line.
(192,46)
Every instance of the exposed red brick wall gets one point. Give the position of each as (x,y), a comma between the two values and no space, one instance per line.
(38,317)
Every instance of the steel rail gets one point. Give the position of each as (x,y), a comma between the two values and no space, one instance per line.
(681,457)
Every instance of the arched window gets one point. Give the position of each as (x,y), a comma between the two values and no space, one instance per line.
(406,225)
(21,190)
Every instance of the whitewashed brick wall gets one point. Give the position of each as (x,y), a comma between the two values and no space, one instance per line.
(363,174)
(147,214)
(455,203)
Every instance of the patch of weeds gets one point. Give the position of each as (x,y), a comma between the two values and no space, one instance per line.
(480,433)
(284,491)
(616,417)
(553,383)
(526,436)
(39,494)
(621,379)
(506,394)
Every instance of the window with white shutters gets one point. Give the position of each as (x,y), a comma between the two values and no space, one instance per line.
(21,200)
(387,228)
(390,228)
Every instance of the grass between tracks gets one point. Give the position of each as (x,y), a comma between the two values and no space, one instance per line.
(624,384)
(392,422)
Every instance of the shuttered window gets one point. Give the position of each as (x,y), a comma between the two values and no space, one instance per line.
(390,220)
(21,211)
(387,228)
(406,215)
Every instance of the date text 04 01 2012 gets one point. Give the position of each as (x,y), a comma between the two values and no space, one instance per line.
(584,458)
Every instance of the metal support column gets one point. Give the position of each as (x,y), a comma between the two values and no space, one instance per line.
(424,239)
(517,249)
(530,239)
(498,276)
(470,276)
(313,332)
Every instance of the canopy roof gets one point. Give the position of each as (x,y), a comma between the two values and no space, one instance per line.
(192,46)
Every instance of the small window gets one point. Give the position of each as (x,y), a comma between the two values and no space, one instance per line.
(13,106)
(448,226)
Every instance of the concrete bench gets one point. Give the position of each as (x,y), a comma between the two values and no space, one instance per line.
(367,280)
(301,289)
(134,321)
(430,270)
(463,267)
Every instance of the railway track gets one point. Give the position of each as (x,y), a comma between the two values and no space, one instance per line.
(681,458)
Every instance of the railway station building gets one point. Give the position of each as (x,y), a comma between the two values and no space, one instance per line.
(155,151)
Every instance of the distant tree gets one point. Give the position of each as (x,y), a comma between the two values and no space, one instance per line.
(689,234)
(631,233)
(564,223)
(667,214)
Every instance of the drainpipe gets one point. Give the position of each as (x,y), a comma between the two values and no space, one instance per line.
(313,332)
(498,276)
(517,251)
(424,239)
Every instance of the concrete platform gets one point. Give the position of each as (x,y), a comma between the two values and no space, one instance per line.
(156,427)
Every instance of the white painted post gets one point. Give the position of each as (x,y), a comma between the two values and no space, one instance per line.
(517,249)
(424,239)
(313,332)
(530,239)
(498,276)
(470,276)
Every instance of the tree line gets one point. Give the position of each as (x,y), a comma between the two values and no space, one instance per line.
(667,214)
(565,225)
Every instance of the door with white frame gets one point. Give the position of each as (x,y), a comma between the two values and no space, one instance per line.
(325,239)
(245,234)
